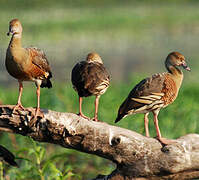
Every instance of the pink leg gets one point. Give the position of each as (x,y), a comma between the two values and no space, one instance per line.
(156,125)
(146,124)
(38,111)
(80,108)
(38,97)
(159,137)
(96,107)
(19,105)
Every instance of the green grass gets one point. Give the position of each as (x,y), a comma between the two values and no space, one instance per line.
(176,120)
(127,35)
(133,38)
(133,19)
(49,22)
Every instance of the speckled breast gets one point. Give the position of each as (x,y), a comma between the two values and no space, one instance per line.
(170,90)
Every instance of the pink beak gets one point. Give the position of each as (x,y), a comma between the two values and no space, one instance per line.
(184,65)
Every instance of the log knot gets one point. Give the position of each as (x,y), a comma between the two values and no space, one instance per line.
(115,141)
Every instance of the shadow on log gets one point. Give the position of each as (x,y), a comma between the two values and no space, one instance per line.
(136,156)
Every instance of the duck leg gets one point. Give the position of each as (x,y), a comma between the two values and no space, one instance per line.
(159,137)
(155,114)
(38,112)
(146,124)
(80,108)
(19,105)
(96,107)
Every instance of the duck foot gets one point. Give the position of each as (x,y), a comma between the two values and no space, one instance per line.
(38,114)
(17,107)
(165,141)
(83,116)
(95,119)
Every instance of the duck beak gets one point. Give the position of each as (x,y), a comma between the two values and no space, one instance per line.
(10,32)
(184,65)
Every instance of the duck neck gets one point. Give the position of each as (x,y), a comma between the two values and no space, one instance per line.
(174,70)
(176,75)
(15,42)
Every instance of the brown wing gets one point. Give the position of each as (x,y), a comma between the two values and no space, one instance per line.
(145,96)
(90,78)
(39,59)
(40,66)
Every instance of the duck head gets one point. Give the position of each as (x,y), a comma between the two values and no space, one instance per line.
(176,59)
(94,57)
(15,27)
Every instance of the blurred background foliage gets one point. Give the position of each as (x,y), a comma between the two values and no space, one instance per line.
(133,39)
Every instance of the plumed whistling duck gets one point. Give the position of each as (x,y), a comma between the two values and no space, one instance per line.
(7,157)
(154,93)
(90,77)
(26,64)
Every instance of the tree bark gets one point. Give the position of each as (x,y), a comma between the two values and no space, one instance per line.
(136,156)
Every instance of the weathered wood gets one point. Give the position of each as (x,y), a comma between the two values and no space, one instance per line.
(187,175)
(135,155)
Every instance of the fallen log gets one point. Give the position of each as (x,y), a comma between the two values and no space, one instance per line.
(136,156)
